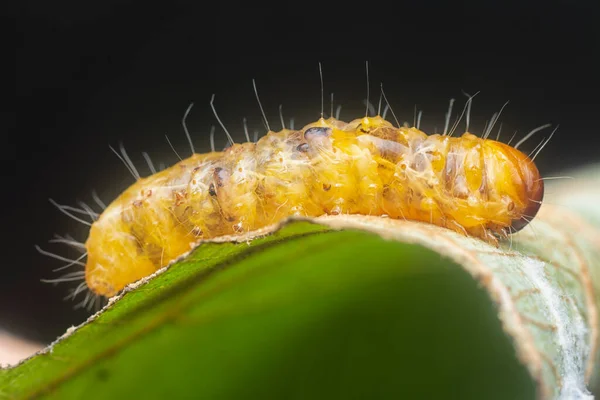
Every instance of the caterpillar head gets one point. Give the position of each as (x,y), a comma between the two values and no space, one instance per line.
(526,182)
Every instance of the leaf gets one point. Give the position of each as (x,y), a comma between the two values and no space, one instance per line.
(348,307)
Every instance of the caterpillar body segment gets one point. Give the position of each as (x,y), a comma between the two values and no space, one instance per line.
(478,187)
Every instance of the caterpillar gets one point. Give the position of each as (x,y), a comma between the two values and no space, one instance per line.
(472,185)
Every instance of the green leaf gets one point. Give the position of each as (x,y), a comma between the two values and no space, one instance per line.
(344,307)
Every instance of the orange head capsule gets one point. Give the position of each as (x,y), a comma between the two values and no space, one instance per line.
(528,187)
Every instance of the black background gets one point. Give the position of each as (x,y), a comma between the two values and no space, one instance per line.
(90,74)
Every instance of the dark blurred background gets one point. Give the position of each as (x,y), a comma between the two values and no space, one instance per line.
(90,74)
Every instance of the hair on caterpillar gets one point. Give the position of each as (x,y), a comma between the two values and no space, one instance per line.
(212,105)
(91,300)
(185,129)
(262,111)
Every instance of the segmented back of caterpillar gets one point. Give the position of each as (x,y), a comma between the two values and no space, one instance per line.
(474,186)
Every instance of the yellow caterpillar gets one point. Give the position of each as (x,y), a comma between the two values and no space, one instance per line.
(474,186)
